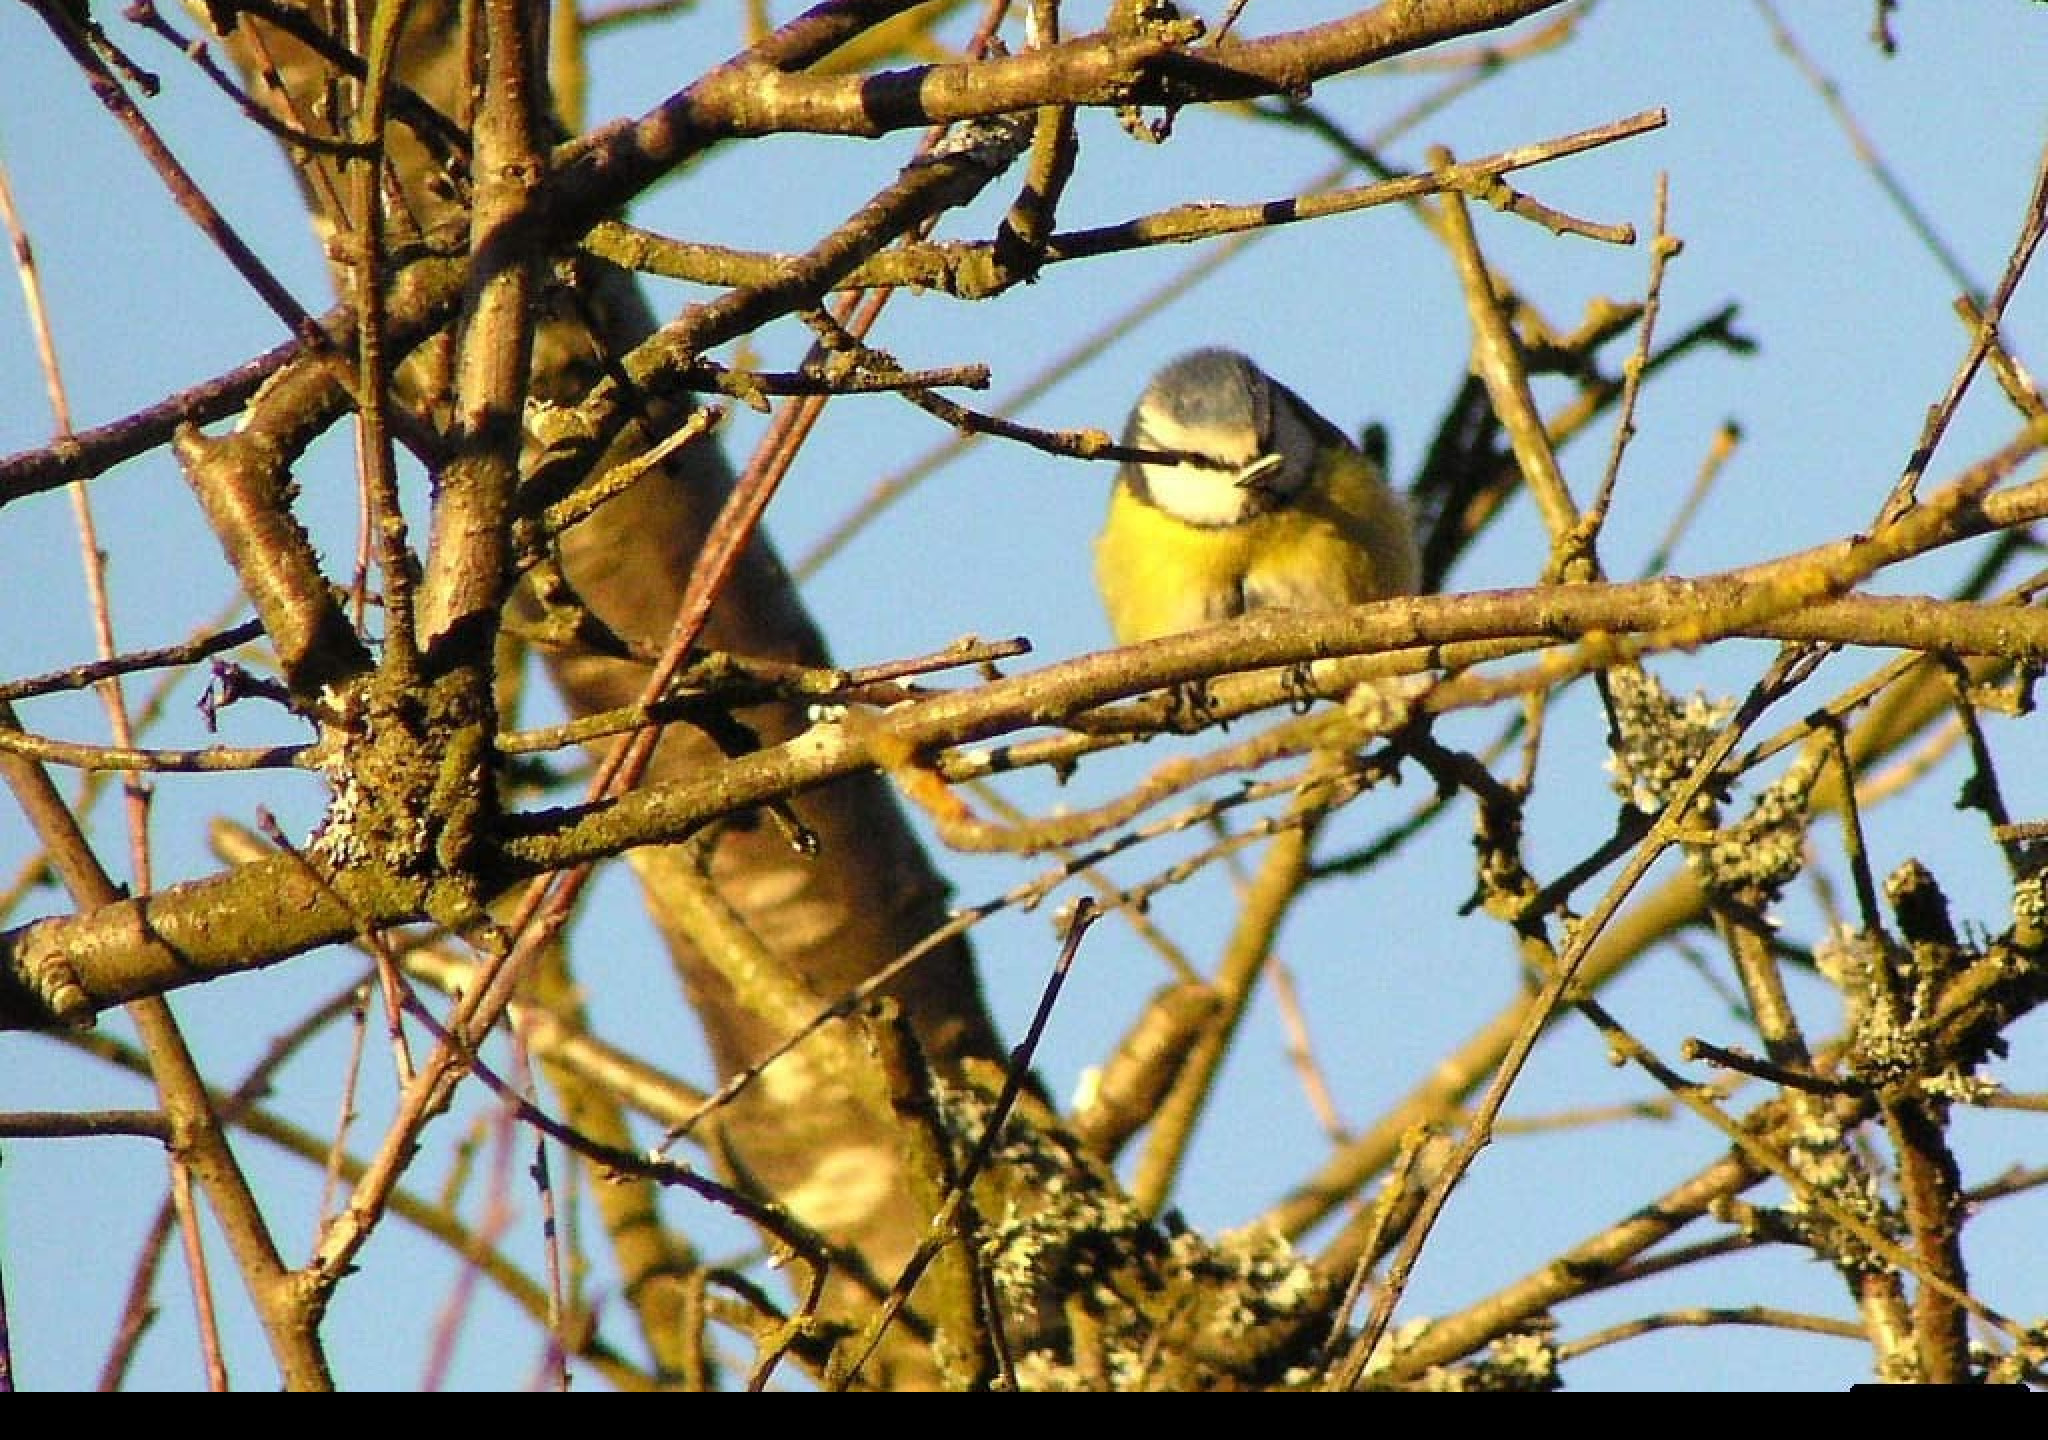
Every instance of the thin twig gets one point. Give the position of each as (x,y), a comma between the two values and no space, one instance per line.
(2033,226)
(73,32)
(941,1230)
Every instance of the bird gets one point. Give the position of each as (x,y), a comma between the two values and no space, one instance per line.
(1271,508)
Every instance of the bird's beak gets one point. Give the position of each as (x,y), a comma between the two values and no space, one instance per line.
(1254,475)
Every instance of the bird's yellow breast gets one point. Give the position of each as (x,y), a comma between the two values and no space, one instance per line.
(1345,540)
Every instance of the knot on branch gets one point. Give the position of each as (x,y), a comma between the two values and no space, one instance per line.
(414,793)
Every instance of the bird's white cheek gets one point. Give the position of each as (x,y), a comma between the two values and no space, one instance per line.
(1197,495)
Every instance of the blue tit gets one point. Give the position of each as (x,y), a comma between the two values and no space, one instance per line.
(1287,514)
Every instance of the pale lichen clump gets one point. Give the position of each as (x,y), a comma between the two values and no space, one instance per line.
(1763,852)
(1658,741)
(2030,909)
(1520,1361)
(1833,1182)
(1885,1041)
(338,840)
(1096,1295)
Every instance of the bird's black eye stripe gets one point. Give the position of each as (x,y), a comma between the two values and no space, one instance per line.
(1142,438)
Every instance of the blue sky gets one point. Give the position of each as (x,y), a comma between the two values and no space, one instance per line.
(1362,315)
